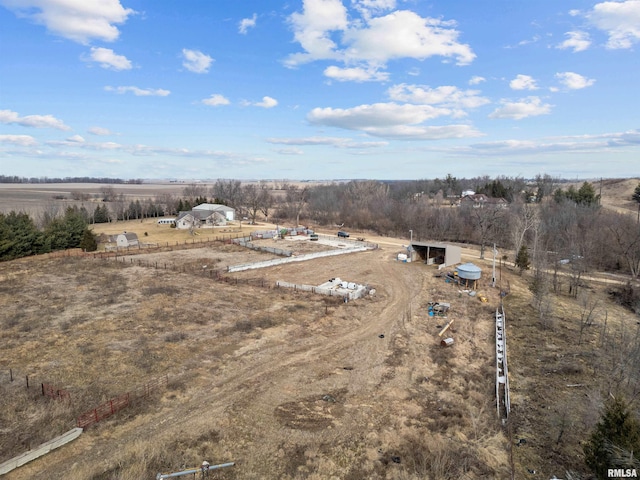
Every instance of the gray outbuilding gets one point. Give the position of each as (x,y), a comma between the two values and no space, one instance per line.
(432,253)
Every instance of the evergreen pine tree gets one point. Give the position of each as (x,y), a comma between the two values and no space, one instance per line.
(88,242)
(615,440)
(522,259)
(101,214)
(636,198)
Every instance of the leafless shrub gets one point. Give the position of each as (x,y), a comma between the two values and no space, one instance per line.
(296,307)
(167,289)
(435,457)
(243,325)
(175,337)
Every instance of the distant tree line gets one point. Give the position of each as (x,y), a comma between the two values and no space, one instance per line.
(17,179)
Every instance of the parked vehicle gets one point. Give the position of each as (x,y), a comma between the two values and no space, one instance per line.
(343,234)
(313,237)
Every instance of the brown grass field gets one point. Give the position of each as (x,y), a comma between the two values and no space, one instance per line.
(289,385)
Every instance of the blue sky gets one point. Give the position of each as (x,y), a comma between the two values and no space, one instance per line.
(319,89)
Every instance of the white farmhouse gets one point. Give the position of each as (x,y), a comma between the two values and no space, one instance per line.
(200,218)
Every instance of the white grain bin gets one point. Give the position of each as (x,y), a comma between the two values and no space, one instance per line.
(469,274)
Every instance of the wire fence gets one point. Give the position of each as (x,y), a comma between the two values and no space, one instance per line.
(119,402)
(164,246)
(39,388)
(33,384)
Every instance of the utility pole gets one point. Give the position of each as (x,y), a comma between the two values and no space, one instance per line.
(493,274)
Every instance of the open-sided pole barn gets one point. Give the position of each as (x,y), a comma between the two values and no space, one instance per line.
(440,254)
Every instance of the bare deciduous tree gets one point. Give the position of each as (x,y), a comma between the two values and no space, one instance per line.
(194,190)
(486,220)
(229,192)
(626,241)
(108,193)
(525,218)
(589,307)
(297,198)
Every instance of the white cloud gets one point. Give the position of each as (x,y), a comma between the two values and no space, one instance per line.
(37,121)
(578,41)
(19,140)
(312,29)
(247,23)
(216,100)
(475,80)
(337,142)
(139,92)
(523,82)
(108,59)
(581,143)
(196,61)
(267,102)
(99,131)
(448,96)
(77,20)
(290,151)
(619,19)
(356,74)
(404,34)
(574,81)
(76,139)
(363,117)
(371,7)
(369,42)
(138,150)
(419,132)
(527,107)
(390,120)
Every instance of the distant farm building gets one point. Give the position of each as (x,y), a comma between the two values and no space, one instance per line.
(167,221)
(228,212)
(480,200)
(127,239)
